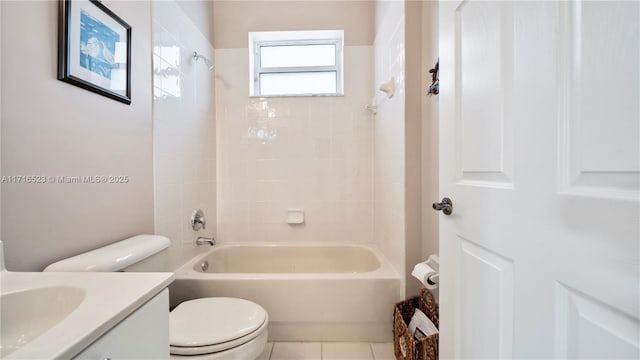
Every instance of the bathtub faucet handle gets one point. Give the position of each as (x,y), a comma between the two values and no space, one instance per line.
(197,220)
(205,241)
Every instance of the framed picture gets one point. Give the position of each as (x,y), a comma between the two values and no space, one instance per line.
(94,49)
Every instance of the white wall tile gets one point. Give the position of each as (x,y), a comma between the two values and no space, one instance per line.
(388,134)
(184,128)
(279,153)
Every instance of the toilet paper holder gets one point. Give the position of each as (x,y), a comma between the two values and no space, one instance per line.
(428,272)
(434,262)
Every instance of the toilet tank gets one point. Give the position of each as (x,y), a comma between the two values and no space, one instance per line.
(139,253)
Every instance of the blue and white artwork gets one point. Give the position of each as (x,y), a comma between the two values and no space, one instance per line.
(97,46)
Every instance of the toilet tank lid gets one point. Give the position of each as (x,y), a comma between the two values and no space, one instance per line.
(114,257)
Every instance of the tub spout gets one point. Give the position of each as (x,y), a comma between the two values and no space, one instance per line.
(205,241)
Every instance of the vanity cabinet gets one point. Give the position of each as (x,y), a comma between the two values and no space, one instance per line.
(144,334)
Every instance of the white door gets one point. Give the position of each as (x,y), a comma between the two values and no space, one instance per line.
(540,154)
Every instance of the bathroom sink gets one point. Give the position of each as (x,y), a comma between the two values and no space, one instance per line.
(57,315)
(27,314)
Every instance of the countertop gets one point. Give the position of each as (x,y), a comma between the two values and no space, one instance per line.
(110,298)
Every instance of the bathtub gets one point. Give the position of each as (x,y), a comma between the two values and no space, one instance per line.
(312,292)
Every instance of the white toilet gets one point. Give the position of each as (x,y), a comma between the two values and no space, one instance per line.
(200,329)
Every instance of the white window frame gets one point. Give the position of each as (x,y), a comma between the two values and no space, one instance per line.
(258,69)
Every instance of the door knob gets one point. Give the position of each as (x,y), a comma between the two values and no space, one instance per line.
(445,205)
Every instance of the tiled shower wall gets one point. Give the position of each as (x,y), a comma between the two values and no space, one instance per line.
(183,129)
(389,134)
(310,153)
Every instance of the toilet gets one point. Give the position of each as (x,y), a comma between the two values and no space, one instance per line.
(199,329)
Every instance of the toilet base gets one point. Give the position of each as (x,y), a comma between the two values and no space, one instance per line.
(247,351)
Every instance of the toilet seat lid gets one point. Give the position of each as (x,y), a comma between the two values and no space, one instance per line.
(210,321)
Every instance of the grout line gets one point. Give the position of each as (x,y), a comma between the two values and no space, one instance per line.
(273,345)
(321,351)
(373,354)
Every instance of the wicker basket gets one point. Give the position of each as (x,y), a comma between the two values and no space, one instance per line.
(404,345)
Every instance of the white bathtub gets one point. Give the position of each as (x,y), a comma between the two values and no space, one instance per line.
(312,292)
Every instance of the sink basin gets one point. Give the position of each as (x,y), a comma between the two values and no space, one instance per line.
(27,314)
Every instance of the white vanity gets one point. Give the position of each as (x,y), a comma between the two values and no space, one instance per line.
(64,315)
(144,334)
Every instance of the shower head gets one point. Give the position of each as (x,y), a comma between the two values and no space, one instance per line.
(206,61)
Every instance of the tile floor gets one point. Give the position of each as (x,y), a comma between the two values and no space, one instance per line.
(328,351)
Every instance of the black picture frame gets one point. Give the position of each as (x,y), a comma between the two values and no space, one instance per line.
(91,53)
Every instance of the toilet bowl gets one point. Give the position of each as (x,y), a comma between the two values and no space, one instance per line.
(218,328)
(200,329)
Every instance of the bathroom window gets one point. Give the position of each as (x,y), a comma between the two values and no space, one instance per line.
(296,63)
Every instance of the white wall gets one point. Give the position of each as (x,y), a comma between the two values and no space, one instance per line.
(429,131)
(184,129)
(200,13)
(414,86)
(313,153)
(421,138)
(52,128)
(234,18)
(0,118)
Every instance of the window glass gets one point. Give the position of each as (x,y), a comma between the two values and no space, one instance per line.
(300,83)
(297,55)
